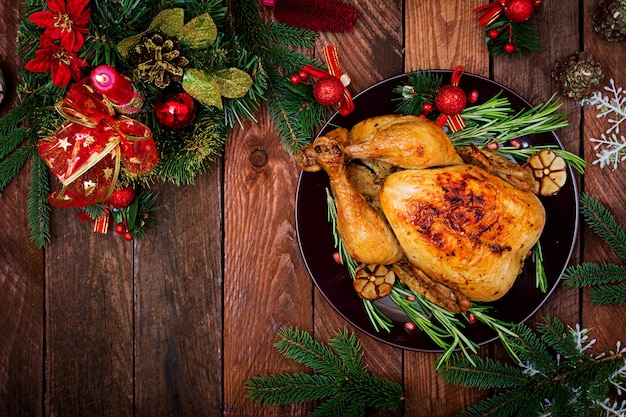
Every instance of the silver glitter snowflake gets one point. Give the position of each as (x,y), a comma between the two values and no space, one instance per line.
(610,146)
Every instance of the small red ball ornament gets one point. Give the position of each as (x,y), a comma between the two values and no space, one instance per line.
(175,110)
(493,33)
(328,90)
(519,11)
(450,99)
(427,108)
(122,198)
(509,48)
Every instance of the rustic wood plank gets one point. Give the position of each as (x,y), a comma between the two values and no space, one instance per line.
(607,323)
(178,290)
(21,270)
(440,35)
(21,307)
(266,286)
(89,332)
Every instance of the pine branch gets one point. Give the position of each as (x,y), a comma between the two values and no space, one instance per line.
(608,294)
(585,274)
(603,223)
(349,389)
(38,206)
(12,164)
(573,382)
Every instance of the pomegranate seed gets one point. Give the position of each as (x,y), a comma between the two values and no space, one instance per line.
(472,97)
(493,146)
(410,298)
(337,257)
(471,318)
(409,326)
(516,143)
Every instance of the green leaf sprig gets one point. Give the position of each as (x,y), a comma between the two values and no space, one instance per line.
(340,377)
(606,281)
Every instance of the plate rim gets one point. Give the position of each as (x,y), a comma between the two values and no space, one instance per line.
(551,289)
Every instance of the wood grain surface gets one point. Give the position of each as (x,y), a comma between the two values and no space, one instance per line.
(175,325)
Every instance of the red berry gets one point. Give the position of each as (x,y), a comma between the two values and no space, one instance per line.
(122,198)
(128,236)
(328,90)
(119,228)
(516,143)
(450,99)
(427,108)
(493,33)
(471,318)
(519,11)
(303,75)
(295,79)
(472,97)
(409,326)
(337,257)
(493,146)
(509,48)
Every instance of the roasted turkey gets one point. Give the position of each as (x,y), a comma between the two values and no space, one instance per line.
(454,231)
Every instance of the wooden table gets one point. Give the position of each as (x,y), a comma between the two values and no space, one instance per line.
(175,324)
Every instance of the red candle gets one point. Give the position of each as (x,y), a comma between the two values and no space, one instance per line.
(111,84)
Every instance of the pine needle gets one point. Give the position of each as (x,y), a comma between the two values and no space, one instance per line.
(341,377)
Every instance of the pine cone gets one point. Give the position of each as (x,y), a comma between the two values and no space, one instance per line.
(159,59)
(609,19)
(578,75)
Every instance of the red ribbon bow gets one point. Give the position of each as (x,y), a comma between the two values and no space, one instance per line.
(85,152)
(346,105)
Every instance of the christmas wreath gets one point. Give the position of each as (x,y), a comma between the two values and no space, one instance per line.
(146,91)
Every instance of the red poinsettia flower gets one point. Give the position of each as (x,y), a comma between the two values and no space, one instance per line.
(54,58)
(65,20)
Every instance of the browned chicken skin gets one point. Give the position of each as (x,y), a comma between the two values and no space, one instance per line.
(465,231)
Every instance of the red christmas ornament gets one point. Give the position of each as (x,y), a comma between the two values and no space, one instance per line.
(450,99)
(122,198)
(328,90)
(175,110)
(427,108)
(493,33)
(509,47)
(519,11)
(120,228)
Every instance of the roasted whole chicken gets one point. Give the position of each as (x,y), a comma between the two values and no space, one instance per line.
(454,226)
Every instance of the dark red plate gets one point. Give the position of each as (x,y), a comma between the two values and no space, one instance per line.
(315,234)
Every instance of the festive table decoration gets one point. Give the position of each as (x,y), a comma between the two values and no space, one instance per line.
(450,101)
(556,374)
(177,72)
(611,148)
(329,88)
(607,282)
(578,75)
(506,26)
(609,19)
(341,377)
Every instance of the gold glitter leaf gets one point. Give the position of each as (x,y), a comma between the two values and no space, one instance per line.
(203,87)
(233,82)
(169,22)
(199,32)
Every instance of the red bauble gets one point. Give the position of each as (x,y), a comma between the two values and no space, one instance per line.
(493,33)
(122,198)
(328,90)
(175,110)
(519,11)
(450,99)
(509,48)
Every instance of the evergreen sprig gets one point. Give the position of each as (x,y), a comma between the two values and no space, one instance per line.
(295,113)
(340,376)
(556,376)
(607,281)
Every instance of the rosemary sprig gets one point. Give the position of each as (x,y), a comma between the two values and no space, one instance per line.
(489,122)
(541,280)
(573,160)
